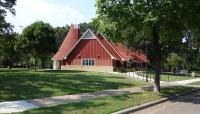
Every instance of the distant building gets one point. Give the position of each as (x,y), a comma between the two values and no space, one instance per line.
(93,52)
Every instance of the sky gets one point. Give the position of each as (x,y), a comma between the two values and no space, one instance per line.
(55,12)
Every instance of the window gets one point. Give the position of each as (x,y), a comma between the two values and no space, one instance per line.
(88,62)
(88,35)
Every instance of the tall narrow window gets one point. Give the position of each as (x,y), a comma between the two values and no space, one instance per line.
(83,62)
(88,62)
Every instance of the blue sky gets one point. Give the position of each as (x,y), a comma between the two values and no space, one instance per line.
(55,12)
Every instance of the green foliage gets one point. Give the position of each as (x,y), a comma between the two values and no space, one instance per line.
(61,33)
(135,19)
(6,35)
(8,53)
(162,22)
(5,5)
(40,40)
(194,38)
(85,26)
(174,60)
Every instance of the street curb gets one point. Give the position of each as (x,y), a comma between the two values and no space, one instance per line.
(146,105)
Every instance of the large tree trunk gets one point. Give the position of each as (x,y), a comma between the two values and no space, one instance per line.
(43,62)
(27,60)
(156,58)
(35,64)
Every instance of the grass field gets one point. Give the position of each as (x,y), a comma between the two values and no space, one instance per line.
(110,104)
(195,83)
(168,76)
(18,84)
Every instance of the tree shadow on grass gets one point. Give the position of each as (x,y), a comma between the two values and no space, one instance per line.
(125,96)
(75,108)
(13,70)
(82,84)
(170,91)
(61,71)
(193,97)
(15,86)
(147,88)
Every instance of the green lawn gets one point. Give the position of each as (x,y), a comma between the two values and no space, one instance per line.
(110,104)
(169,77)
(18,84)
(195,83)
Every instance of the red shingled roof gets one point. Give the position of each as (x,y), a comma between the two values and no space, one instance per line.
(108,46)
(128,54)
(120,51)
(71,38)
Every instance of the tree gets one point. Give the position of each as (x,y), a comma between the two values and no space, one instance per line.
(156,20)
(5,28)
(84,26)
(174,60)
(41,41)
(7,50)
(23,48)
(4,6)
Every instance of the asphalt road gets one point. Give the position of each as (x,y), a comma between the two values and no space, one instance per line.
(188,104)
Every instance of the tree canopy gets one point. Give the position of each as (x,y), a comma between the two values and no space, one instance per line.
(6,5)
(158,21)
(41,40)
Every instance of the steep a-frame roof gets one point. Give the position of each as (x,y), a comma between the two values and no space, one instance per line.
(90,35)
(72,37)
(117,51)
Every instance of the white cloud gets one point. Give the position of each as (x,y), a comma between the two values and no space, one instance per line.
(29,11)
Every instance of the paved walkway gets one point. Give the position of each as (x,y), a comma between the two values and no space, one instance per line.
(53,101)
(22,105)
(15,106)
(182,82)
(136,76)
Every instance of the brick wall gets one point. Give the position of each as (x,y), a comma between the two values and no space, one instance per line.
(88,68)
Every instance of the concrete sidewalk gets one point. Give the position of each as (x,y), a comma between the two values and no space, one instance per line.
(57,100)
(15,106)
(182,82)
(23,105)
(138,77)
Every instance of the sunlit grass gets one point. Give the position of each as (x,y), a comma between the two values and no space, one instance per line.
(18,84)
(106,105)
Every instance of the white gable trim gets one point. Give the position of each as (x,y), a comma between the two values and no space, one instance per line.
(76,43)
(105,48)
(114,48)
(88,31)
(82,37)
